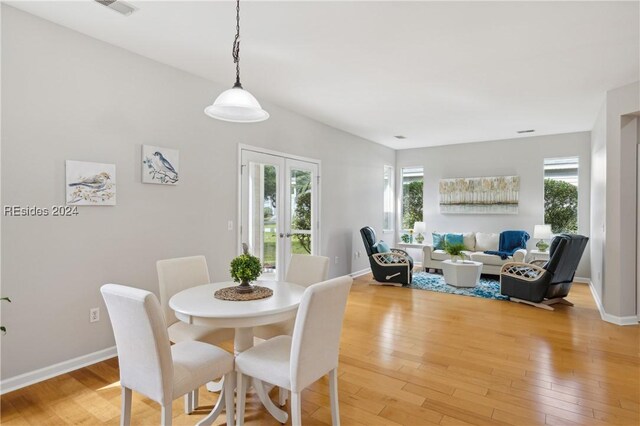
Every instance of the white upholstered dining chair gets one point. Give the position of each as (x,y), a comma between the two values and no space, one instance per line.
(303,270)
(150,365)
(175,275)
(295,362)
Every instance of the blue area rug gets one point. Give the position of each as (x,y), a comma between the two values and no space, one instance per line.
(487,288)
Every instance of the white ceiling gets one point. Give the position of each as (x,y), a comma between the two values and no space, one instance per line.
(437,72)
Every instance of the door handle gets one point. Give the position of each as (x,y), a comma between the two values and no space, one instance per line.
(281,235)
(288,234)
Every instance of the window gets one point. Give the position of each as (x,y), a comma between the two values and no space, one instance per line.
(387,223)
(561,194)
(412,184)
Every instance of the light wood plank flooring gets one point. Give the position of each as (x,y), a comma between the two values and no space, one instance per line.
(415,357)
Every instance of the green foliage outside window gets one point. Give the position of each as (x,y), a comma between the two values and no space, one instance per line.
(270,185)
(411,204)
(302,219)
(301,243)
(561,206)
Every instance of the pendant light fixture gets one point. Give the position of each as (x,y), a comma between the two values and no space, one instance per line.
(236,104)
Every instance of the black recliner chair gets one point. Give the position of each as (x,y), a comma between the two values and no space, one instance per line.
(392,268)
(541,283)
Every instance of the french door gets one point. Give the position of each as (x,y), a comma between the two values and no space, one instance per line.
(279,209)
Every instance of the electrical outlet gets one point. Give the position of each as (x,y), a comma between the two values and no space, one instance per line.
(336,260)
(230,225)
(94,314)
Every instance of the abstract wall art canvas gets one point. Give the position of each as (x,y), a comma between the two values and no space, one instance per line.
(483,195)
(160,165)
(90,184)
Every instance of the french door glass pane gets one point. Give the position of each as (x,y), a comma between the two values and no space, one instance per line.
(263,226)
(301,218)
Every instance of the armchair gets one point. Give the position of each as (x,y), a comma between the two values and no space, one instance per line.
(389,268)
(541,283)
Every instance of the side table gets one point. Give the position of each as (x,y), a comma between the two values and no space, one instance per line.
(538,255)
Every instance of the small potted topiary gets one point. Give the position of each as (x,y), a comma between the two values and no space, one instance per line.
(455,250)
(244,269)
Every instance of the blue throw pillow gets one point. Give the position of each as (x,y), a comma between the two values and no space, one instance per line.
(454,239)
(383,247)
(438,241)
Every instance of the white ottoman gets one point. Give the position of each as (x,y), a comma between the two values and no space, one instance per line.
(461,274)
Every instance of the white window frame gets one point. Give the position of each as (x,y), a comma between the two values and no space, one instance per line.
(388,199)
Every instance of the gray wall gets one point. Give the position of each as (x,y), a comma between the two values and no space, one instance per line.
(68,96)
(598,198)
(522,157)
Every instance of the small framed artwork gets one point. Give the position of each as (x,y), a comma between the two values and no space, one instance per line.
(160,165)
(90,184)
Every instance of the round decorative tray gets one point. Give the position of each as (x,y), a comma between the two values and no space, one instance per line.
(230,293)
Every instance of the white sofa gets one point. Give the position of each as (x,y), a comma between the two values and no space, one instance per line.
(477,243)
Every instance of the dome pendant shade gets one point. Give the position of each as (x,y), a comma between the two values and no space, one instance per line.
(238,106)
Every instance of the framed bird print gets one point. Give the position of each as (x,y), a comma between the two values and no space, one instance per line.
(90,184)
(160,165)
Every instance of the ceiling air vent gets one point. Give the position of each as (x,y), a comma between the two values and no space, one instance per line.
(118,6)
(526,131)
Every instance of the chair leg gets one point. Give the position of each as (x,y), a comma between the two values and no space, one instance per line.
(229,386)
(166,415)
(191,401)
(283,394)
(125,413)
(333,396)
(240,399)
(296,409)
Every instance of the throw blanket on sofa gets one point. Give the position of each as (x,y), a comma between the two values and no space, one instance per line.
(510,241)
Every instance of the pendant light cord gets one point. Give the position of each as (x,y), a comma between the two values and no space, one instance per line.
(236,46)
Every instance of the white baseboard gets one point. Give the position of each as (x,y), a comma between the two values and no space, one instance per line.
(360,273)
(628,320)
(582,280)
(26,379)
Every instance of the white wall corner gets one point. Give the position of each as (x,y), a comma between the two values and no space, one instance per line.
(628,320)
(31,377)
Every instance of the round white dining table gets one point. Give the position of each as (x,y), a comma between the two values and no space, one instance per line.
(198,306)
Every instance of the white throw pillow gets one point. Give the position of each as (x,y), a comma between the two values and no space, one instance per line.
(469,240)
(486,242)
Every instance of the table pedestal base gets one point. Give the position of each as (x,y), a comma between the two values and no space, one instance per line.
(243,340)
(215,386)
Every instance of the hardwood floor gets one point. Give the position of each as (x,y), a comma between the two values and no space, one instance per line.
(416,357)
